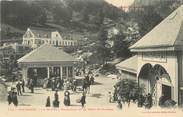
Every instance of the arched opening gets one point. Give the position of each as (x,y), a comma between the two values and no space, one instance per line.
(164,83)
(156,81)
(145,77)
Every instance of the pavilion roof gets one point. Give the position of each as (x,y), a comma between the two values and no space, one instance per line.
(168,35)
(47,53)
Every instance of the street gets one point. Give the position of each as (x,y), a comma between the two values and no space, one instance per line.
(98,96)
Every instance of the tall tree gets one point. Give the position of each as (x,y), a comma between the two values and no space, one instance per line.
(102,48)
(120,47)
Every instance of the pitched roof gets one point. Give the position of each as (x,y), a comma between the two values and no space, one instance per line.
(42,32)
(129,64)
(167,34)
(47,53)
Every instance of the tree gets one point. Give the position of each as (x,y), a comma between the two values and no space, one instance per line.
(147,19)
(127,86)
(102,49)
(99,18)
(120,47)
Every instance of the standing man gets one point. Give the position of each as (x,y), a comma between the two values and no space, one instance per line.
(83,100)
(31,85)
(74,85)
(23,85)
(10,96)
(19,88)
(56,95)
(56,101)
(150,100)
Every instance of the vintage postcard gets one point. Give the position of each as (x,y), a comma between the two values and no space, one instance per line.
(91,58)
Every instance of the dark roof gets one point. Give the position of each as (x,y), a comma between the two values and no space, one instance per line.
(167,35)
(47,53)
(42,32)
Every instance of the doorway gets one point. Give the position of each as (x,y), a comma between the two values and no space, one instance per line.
(166,90)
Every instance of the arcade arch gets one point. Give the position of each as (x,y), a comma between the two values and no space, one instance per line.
(156,81)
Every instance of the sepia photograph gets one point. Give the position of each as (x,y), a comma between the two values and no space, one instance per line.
(91,57)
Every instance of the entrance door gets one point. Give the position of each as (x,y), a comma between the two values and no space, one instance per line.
(166,90)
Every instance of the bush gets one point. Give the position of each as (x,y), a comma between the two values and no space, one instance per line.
(128,87)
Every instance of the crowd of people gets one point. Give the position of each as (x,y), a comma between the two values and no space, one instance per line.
(16,89)
(87,81)
(66,100)
(56,84)
(12,97)
(145,101)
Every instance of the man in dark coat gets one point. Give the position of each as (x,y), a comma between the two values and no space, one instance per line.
(149,101)
(74,85)
(23,85)
(19,88)
(53,82)
(83,100)
(56,102)
(92,80)
(31,85)
(9,97)
(56,95)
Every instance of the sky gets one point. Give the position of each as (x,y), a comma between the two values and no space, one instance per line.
(119,3)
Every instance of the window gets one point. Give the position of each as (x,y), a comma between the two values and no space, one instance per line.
(56,35)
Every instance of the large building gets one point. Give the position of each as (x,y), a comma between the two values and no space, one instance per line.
(34,37)
(160,59)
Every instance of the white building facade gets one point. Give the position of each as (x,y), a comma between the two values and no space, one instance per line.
(34,37)
(160,59)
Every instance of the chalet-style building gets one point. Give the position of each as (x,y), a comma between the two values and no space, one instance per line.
(34,37)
